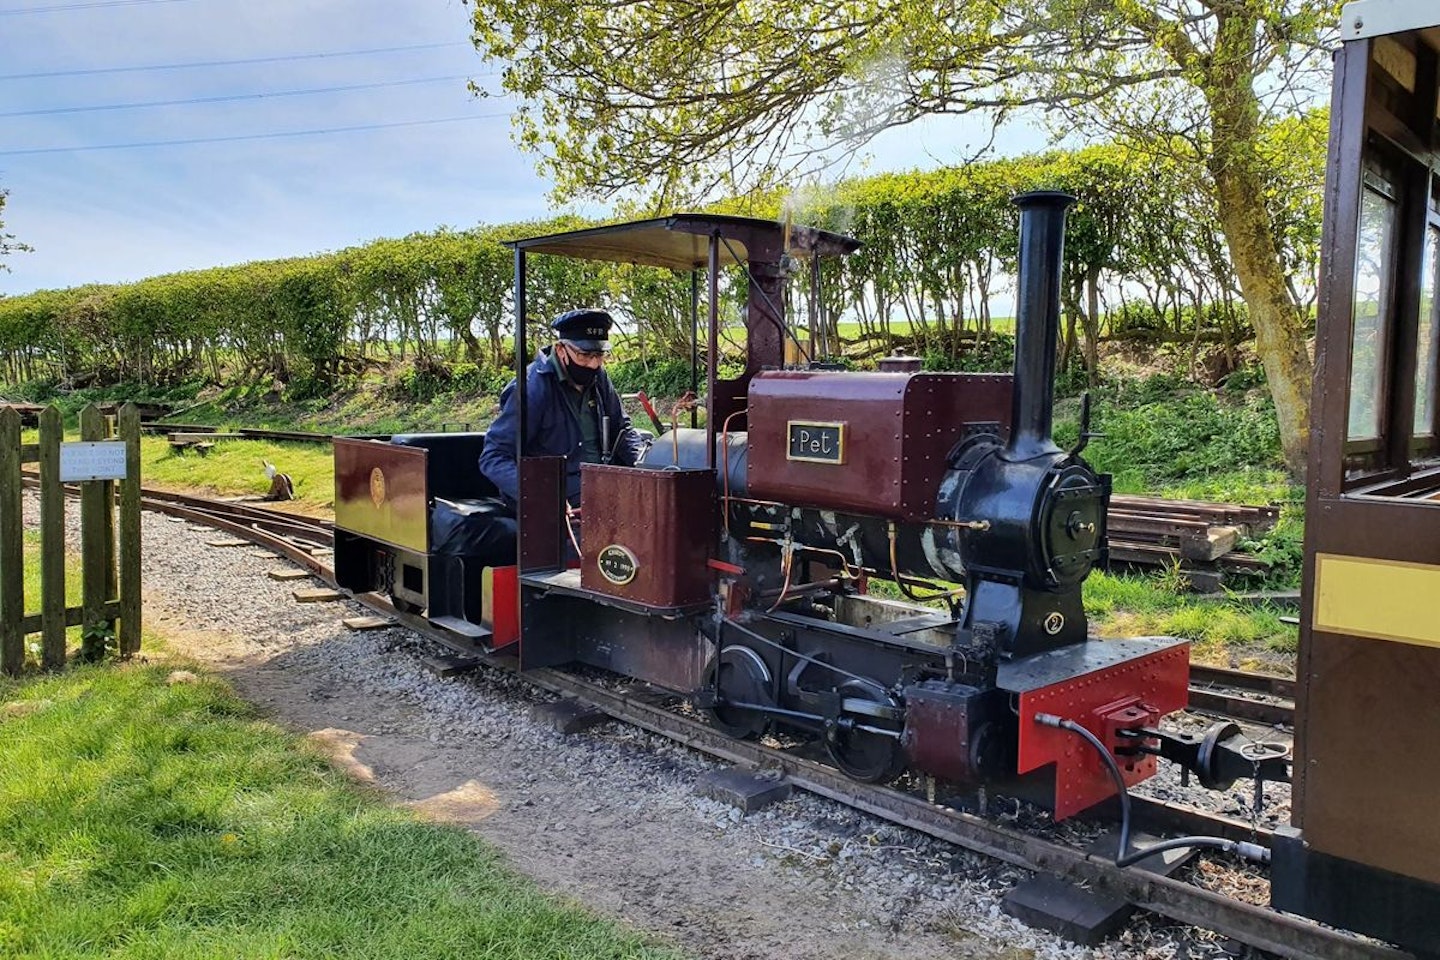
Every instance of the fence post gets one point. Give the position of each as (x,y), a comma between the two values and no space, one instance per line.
(52,541)
(12,550)
(107,521)
(129,424)
(94,537)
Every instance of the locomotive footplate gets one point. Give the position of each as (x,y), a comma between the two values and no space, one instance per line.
(1105,686)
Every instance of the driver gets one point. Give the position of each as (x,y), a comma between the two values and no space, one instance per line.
(569,398)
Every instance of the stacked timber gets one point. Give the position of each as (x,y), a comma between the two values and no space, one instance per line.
(149,409)
(1198,536)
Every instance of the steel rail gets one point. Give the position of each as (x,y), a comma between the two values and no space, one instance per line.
(1259,927)
(247,529)
(1241,707)
(1208,692)
(1266,683)
(297,543)
(251,433)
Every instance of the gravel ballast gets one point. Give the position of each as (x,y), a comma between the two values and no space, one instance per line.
(610,816)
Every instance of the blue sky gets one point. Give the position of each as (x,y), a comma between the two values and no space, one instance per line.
(109,215)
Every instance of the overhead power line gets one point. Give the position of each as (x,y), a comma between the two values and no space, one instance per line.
(228,63)
(253,136)
(92,5)
(229,97)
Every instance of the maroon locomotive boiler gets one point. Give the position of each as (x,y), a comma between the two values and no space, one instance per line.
(733,564)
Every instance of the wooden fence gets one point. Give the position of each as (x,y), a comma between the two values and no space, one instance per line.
(109,594)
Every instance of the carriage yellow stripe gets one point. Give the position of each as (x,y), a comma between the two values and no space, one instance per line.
(1379,599)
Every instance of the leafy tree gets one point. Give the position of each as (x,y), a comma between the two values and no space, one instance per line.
(693,98)
(8,244)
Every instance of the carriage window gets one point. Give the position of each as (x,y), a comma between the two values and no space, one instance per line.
(1372,305)
(1426,352)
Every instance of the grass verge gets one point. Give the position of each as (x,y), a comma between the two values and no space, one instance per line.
(140,818)
(236,467)
(1222,631)
(34,595)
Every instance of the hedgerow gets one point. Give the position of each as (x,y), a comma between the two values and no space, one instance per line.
(1142,259)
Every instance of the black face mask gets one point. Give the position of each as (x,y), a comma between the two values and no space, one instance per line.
(582,377)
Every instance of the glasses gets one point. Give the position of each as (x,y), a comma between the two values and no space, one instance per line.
(584,354)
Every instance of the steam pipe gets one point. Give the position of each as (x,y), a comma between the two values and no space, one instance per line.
(1037,321)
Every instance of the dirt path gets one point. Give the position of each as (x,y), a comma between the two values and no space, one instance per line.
(608,817)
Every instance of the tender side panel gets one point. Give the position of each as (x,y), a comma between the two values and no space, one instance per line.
(380,493)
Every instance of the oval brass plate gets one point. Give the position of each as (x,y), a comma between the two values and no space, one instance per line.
(617,564)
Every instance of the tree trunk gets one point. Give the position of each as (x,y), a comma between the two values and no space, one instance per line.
(1240,197)
(1279,329)
(1092,326)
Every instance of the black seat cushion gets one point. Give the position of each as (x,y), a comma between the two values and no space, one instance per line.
(480,530)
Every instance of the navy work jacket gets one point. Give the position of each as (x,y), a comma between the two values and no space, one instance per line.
(553,429)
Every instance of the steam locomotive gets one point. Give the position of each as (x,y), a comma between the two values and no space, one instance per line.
(734,563)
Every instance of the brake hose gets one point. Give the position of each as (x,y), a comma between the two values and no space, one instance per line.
(1259,853)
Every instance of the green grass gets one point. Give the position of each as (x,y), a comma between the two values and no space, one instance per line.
(1152,605)
(235,467)
(30,580)
(140,819)
(30,552)
(852,329)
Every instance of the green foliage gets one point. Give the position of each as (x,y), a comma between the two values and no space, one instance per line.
(1283,546)
(744,98)
(150,819)
(1154,439)
(8,244)
(97,640)
(1155,605)
(994,354)
(668,377)
(937,246)
(430,379)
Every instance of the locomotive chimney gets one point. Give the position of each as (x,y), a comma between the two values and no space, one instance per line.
(1037,321)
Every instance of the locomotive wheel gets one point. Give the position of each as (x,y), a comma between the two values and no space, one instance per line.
(743,678)
(862,754)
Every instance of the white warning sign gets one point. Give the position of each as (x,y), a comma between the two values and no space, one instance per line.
(92,460)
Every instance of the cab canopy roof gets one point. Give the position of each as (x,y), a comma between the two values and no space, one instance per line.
(682,241)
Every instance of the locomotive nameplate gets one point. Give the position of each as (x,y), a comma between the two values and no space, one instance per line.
(617,564)
(816,442)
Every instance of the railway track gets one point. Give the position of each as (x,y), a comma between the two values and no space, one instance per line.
(305,541)
(1256,697)
(249,433)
